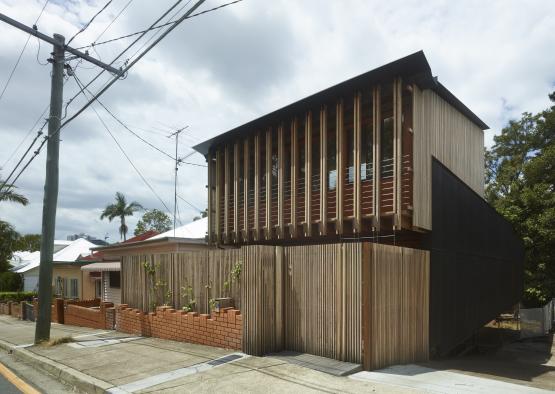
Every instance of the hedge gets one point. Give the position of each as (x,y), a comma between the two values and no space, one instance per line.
(17,296)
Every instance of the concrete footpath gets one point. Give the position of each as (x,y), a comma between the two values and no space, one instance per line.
(107,361)
(100,361)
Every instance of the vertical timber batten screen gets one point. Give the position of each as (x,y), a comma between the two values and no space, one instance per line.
(322,300)
(205,271)
(395,305)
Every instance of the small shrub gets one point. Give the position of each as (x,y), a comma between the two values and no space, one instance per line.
(17,296)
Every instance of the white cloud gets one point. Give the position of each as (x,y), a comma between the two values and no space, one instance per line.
(225,68)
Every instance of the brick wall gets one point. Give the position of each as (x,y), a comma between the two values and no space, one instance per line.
(221,329)
(16,310)
(5,308)
(77,315)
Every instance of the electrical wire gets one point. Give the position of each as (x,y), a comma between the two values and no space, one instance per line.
(89,22)
(21,53)
(190,204)
(112,81)
(159,26)
(126,49)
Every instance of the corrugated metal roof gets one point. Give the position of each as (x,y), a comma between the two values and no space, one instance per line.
(104,266)
(414,66)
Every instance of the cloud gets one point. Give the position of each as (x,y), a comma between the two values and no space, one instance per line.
(222,69)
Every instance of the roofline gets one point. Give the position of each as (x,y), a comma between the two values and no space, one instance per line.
(187,241)
(414,66)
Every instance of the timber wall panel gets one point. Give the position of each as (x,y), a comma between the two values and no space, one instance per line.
(396,283)
(445,133)
(322,300)
(259,300)
(206,271)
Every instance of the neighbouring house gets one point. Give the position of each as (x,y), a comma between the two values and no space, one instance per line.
(104,272)
(359,216)
(191,236)
(67,278)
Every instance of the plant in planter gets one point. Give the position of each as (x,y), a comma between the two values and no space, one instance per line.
(188,297)
(234,276)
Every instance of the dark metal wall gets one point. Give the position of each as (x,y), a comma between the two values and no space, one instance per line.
(476,262)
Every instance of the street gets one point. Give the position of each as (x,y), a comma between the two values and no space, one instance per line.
(6,387)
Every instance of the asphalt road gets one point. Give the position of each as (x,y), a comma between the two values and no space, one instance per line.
(6,387)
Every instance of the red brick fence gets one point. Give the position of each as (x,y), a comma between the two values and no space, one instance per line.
(221,329)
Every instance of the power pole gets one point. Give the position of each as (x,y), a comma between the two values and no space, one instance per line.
(177,162)
(42,329)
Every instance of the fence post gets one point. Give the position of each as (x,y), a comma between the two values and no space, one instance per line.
(59,305)
(23,313)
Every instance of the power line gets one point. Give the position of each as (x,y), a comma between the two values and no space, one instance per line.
(158,26)
(126,49)
(21,53)
(26,136)
(112,22)
(129,159)
(188,203)
(89,22)
(80,84)
(111,82)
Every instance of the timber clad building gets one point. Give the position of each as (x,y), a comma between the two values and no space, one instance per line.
(352,160)
(307,195)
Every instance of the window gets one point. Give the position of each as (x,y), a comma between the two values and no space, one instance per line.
(115,279)
(349,138)
(367,136)
(386,147)
(315,151)
(59,287)
(74,288)
(331,145)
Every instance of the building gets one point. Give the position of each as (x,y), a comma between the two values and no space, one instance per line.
(390,156)
(67,278)
(113,283)
(104,271)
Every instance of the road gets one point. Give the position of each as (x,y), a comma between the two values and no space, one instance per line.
(6,387)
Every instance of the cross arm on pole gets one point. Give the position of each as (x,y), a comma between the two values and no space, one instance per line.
(50,40)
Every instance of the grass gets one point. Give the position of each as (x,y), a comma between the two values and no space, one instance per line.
(57,341)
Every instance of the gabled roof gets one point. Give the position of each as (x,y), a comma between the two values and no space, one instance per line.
(99,256)
(69,254)
(414,67)
(194,230)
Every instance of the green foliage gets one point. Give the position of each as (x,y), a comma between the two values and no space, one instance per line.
(10,281)
(28,242)
(212,304)
(9,194)
(187,294)
(520,184)
(153,219)
(8,241)
(17,296)
(120,209)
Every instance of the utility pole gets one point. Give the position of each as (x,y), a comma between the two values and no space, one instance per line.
(42,328)
(177,162)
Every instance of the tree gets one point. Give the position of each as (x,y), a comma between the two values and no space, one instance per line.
(203,214)
(120,210)
(8,194)
(153,219)
(8,238)
(28,242)
(520,184)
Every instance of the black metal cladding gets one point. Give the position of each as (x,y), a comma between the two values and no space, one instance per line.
(476,262)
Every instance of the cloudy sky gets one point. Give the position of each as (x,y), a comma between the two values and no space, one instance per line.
(219,70)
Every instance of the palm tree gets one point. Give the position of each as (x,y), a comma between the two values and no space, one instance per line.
(7,193)
(121,209)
